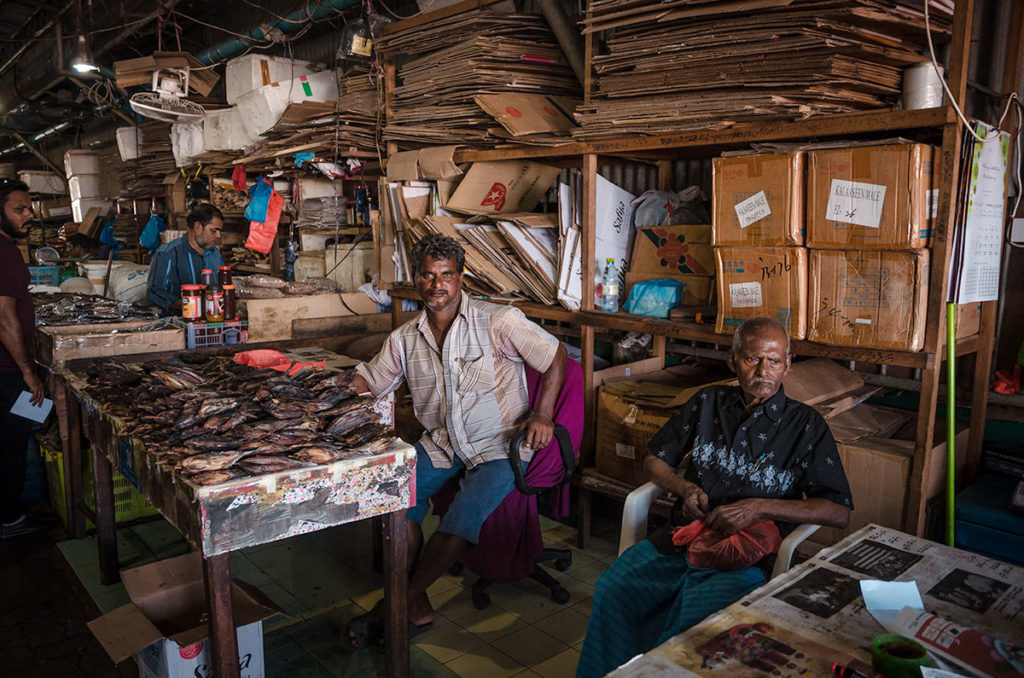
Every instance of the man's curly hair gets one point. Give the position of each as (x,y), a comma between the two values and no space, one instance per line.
(437,246)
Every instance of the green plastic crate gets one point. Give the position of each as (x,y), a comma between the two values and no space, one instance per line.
(129,504)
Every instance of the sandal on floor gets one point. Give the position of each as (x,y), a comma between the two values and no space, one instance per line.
(366,629)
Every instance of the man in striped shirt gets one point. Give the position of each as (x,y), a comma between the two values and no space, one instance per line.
(463,361)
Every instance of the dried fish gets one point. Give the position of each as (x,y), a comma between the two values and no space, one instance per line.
(213,406)
(322,454)
(218,477)
(259,464)
(211,461)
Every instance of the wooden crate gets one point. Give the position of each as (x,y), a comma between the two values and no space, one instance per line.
(58,343)
(271,319)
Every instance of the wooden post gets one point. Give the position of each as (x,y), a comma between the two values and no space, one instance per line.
(106,526)
(73,464)
(223,638)
(396,592)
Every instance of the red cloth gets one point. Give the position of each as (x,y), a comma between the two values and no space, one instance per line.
(510,538)
(238,179)
(262,358)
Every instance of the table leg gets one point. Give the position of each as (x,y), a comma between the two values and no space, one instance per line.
(223,638)
(73,459)
(585,506)
(396,626)
(106,527)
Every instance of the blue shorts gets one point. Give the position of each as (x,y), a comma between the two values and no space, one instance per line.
(481,490)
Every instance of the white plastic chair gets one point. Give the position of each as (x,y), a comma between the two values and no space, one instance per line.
(638,506)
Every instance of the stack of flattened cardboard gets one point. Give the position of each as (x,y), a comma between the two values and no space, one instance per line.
(456,59)
(708,64)
(144,176)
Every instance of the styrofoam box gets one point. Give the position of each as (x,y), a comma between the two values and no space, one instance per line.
(165,659)
(223,130)
(81,207)
(262,108)
(128,141)
(252,71)
(81,161)
(84,186)
(43,182)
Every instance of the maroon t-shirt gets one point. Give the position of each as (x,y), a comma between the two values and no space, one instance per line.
(14,280)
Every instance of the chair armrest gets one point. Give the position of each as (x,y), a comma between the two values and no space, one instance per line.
(635,512)
(788,547)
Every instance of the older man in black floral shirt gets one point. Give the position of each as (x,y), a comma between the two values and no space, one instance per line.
(733,456)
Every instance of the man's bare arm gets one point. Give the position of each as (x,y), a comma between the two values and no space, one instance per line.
(695,500)
(539,426)
(730,518)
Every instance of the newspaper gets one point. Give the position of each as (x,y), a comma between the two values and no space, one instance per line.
(816,610)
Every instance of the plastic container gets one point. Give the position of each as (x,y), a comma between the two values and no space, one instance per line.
(204,334)
(252,71)
(44,275)
(85,186)
(81,161)
(224,276)
(610,287)
(128,141)
(192,302)
(230,305)
(213,303)
(43,182)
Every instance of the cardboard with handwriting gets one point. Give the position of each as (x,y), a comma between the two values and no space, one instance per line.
(758,200)
(762,281)
(868,299)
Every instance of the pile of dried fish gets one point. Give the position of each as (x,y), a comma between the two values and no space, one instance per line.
(212,420)
(80,309)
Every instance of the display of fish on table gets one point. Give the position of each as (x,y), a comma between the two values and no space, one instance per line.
(212,420)
(81,309)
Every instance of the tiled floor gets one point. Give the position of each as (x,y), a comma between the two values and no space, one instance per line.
(320,581)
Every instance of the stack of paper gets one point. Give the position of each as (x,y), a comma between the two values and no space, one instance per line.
(459,58)
(144,175)
(708,64)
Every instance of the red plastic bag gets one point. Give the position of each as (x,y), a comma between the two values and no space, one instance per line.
(263,233)
(708,548)
(263,357)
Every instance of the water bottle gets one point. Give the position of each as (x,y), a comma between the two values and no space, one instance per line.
(610,288)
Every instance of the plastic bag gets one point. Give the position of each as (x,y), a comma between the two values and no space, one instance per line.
(357,38)
(259,200)
(263,233)
(708,548)
(655,297)
(661,208)
(150,236)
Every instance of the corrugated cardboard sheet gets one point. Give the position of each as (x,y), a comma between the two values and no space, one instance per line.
(868,299)
(673,250)
(885,196)
(762,281)
(737,181)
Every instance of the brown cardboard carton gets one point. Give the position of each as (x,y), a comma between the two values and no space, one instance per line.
(673,250)
(758,200)
(523,114)
(872,197)
(967,321)
(868,299)
(502,186)
(762,281)
(698,290)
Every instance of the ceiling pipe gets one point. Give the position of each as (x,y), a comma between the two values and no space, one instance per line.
(315,9)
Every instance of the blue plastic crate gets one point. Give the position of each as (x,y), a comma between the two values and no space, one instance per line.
(45,275)
(204,334)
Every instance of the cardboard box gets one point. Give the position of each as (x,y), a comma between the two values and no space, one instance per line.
(699,289)
(872,197)
(252,71)
(129,139)
(55,344)
(868,299)
(673,250)
(523,114)
(51,208)
(271,319)
(967,321)
(163,621)
(139,71)
(758,200)
(762,281)
(502,186)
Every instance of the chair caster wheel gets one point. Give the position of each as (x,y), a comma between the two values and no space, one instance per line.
(562,564)
(560,595)
(456,569)
(481,600)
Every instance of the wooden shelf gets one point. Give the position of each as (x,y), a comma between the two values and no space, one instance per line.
(887,120)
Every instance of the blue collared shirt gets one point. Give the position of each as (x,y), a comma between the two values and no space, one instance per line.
(176,264)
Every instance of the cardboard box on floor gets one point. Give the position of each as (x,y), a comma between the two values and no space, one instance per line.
(868,299)
(762,281)
(165,622)
(758,200)
(872,197)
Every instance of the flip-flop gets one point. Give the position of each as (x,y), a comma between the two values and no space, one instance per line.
(368,629)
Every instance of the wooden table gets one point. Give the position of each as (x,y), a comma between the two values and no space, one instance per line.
(256,510)
(802,621)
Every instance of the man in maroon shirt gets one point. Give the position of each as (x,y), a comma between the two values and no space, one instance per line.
(17,325)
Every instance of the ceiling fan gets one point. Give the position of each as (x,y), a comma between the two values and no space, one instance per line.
(166,101)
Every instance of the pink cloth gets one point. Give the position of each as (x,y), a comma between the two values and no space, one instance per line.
(510,539)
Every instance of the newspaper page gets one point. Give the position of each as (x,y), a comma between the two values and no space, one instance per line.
(816,609)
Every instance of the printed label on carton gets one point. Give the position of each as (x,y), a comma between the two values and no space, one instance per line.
(752,209)
(626,451)
(933,203)
(855,202)
(745,295)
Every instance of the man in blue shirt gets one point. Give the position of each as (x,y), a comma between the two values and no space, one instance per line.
(181,262)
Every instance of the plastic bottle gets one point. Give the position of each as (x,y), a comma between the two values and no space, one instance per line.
(610,287)
(230,305)
(213,297)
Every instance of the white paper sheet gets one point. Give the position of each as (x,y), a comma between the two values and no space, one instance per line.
(24,408)
(885,599)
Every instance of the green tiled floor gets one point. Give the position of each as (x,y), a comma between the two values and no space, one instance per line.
(322,580)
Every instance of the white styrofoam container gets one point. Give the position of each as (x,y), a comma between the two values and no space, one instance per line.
(84,186)
(223,130)
(128,141)
(81,161)
(43,182)
(252,71)
(262,108)
(165,659)
(81,207)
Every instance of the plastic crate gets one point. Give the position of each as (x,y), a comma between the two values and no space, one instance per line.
(45,275)
(204,334)
(129,504)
